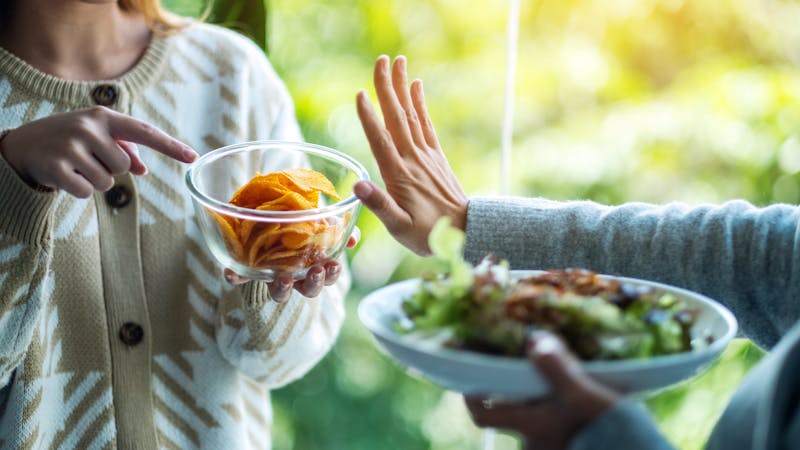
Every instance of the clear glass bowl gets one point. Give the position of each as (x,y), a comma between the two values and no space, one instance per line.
(260,244)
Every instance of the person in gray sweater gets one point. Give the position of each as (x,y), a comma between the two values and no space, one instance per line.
(746,257)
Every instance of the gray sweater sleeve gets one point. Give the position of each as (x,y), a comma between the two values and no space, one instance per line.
(742,256)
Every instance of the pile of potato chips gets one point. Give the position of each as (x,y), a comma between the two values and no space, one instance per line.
(284,246)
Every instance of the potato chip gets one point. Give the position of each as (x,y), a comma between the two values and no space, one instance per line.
(264,240)
(311,181)
(288,264)
(229,235)
(265,188)
(281,246)
(260,189)
(289,201)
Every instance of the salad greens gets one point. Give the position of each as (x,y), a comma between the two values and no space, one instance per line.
(482,308)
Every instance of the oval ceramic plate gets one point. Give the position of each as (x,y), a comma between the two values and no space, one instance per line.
(473,373)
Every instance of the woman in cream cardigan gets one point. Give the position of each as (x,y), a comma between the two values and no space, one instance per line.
(117,328)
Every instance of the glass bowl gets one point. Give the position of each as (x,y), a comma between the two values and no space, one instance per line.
(260,244)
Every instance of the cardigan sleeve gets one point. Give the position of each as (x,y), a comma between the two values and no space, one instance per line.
(742,256)
(277,343)
(25,228)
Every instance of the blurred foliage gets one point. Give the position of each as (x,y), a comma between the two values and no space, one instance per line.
(616,100)
(245,16)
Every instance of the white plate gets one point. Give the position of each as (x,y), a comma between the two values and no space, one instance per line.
(475,373)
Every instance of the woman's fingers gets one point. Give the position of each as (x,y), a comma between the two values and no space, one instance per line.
(382,205)
(584,397)
(561,369)
(418,100)
(332,271)
(394,116)
(233,278)
(105,149)
(137,165)
(380,141)
(400,85)
(312,284)
(93,170)
(420,185)
(126,128)
(354,238)
(72,182)
(88,147)
(486,412)
(280,289)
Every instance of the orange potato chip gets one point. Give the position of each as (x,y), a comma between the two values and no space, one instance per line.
(288,263)
(311,181)
(311,227)
(229,234)
(308,256)
(245,228)
(260,189)
(288,246)
(266,188)
(289,201)
(263,241)
(295,240)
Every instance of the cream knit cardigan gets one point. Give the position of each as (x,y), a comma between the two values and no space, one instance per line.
(73,272)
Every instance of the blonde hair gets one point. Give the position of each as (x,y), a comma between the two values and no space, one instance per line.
(158,19)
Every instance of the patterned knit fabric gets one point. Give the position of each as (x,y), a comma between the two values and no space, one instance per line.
(74,272)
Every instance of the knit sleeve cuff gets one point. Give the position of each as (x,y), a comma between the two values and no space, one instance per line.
(255,294)
(501,225)
(25,213)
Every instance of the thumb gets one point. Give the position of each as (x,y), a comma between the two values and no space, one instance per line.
(556,364)
(380,203)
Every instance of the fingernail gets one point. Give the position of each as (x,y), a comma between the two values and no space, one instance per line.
(189,155)
(362,190)
(316,277)
(546,345)
(334,270)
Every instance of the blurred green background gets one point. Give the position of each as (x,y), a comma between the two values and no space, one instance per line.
(616,100)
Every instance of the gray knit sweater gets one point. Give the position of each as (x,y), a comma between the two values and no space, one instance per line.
(745,257)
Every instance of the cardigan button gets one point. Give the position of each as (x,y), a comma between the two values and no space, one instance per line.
(131,333)
(105,95)
(118,196)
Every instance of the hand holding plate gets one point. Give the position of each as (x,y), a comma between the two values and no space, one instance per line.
(551,422)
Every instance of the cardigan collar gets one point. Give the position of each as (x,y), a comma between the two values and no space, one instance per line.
(79,93)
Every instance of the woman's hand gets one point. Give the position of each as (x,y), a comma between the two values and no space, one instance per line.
(420,185)
(316,278)
(549,423)
(81,151)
